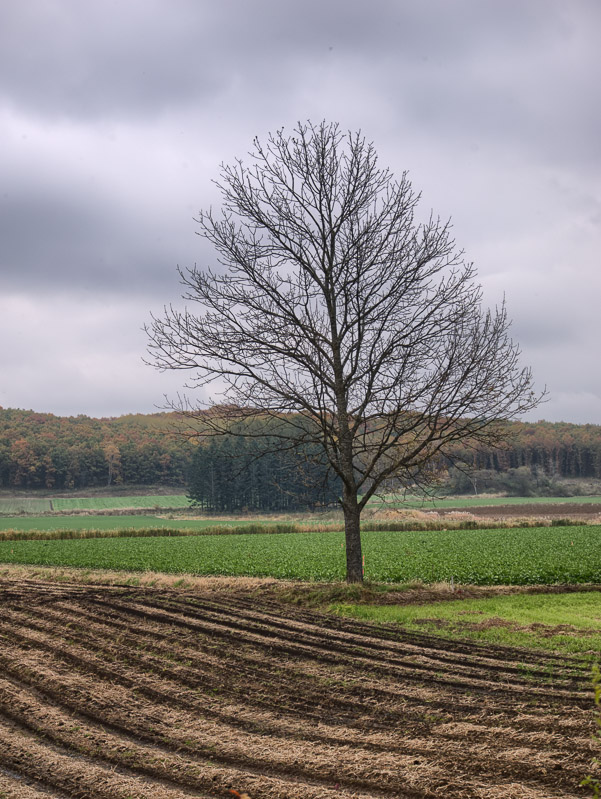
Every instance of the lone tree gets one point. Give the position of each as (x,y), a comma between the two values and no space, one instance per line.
(340,320)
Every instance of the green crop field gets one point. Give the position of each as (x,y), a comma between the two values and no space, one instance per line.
(479,501)
(22,505)
(10,505)
(483,557)
(116,503)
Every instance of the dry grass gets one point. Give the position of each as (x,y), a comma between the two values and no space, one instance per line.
(148,579)
(293,592)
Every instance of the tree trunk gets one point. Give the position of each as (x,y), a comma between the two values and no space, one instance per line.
(352,532)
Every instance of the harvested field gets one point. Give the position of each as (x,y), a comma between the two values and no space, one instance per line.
(117,692)
(525,510)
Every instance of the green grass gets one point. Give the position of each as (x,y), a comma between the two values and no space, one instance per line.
(517,556)
(47,505)
(569,623)
(115,503)
(124,522)
(19,505)
(413,502)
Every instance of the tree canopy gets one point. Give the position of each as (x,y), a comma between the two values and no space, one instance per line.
(331,301)
(232,474)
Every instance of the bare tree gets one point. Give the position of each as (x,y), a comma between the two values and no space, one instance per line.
(334,307)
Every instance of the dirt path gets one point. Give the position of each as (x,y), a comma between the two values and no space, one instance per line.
(127,693)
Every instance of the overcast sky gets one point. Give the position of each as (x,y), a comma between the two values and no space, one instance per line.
(115,116)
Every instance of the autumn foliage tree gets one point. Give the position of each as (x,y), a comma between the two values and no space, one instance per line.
(40,450)
(332,302)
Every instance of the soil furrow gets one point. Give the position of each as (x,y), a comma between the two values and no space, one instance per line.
(395,634)
(478,764)
(411,724)
(15,786)
(436,699)
(480,665)
(149,692)
(75,776)
(313,627)
(288,701)
(176,773)
(110,711)
(211,672)
(276,725)
(260,696)
(408,671)
(92,740)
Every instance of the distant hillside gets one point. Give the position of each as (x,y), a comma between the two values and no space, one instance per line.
(40,450)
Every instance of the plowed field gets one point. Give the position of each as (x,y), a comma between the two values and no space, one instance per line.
(125,693)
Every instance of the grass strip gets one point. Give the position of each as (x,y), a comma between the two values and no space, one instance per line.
(569,623)
(425,503)
(142,532)
(44,528)
(110,503)
(149,502)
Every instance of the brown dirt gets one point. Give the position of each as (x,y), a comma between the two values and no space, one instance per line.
(134,693)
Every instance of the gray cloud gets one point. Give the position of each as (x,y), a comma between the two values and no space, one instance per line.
(79,354)
(115,116)
(93,60)
(66,240)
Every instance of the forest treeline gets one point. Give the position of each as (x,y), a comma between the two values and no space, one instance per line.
(40,450)
(556,449)
(233,474)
